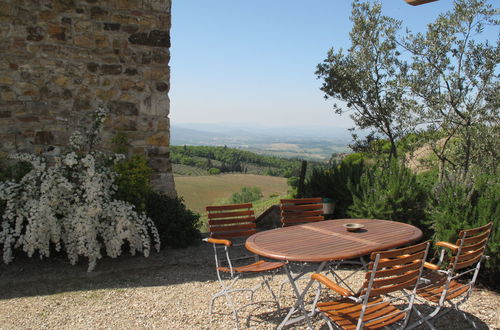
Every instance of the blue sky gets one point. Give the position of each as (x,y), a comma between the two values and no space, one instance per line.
(253,62)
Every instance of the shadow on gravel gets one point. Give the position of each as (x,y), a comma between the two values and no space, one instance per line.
(34,277)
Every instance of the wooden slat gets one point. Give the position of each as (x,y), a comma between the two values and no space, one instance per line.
(395,279)
(474,246)
(311,200)
(230,221)
(229,207)
(467,255)
(473,239)
(229,214)
(302,214)
(301,220)
(233,234)
(301,207)
(384,290)
(474,231)
(398,261)
(400,252)
(465,264)
(219,229)
(396,270)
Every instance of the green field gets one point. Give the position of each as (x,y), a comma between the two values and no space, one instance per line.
(200,191)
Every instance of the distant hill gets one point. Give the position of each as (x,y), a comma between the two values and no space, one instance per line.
(204,160)
(314,143)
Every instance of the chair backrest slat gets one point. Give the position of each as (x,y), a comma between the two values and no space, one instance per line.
(220,229)
(465,264)
(475,231)
(236,234)
(401,260)
(394,270)
(301,210)
(231,221)
(472,244)
(393,280)
(391,288)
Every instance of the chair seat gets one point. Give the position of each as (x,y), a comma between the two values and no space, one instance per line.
(345,313)
(433,291)
(259,266)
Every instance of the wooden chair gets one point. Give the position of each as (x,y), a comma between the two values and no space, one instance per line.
(442,286)
(301,210)
(229,226)
(372,307)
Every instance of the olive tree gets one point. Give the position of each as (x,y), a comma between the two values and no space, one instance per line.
(454,78)
(368,76)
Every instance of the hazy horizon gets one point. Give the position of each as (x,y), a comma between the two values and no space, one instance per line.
(254,62)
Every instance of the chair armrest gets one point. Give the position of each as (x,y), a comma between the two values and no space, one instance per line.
(226,242)
(450,246)
(329,284)
(431,266)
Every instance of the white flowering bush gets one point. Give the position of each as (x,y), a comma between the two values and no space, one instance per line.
(66,202)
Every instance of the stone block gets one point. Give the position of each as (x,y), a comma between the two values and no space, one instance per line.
(155,38)
(131,71)
(63,5)
(123,108)
(128,4)
(83,41)
(122,123)
(34,33)
(98,13)
(6,80)
(57,32)
(5,114)
(112,26)
(160,139)
(130,29)
(112,69)
(161,86)
(101,41)
(92,67)
(62,81)
(125,84)
(82,26)
(44,137)
(5,9)
(8,96)
(106,94)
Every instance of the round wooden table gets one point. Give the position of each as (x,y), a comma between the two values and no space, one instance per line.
(329,240)
(323,242)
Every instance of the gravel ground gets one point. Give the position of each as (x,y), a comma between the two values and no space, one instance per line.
(168,290)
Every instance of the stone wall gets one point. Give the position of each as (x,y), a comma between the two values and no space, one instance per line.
(61,59)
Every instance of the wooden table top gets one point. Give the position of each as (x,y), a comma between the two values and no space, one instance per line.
(329,240)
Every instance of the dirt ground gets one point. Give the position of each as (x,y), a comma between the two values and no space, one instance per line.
(168,290)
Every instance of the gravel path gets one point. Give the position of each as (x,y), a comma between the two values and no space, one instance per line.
(168,290)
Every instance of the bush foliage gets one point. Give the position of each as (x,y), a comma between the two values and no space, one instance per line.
(246,195)
(391,193)
(177,226)
(458,204)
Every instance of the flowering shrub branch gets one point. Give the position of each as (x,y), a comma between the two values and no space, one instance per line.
(69,204)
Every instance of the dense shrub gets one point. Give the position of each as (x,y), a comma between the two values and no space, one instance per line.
(133,181)
(391,193)
(177,226)
(462,204)
(246,195)
(335,183)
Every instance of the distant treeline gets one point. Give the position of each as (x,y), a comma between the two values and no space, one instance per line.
(224,159)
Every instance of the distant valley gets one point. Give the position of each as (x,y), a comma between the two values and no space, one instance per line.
(312,143)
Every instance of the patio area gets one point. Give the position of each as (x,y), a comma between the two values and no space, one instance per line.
(168,290)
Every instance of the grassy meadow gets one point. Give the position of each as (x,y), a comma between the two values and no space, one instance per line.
(200,191)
